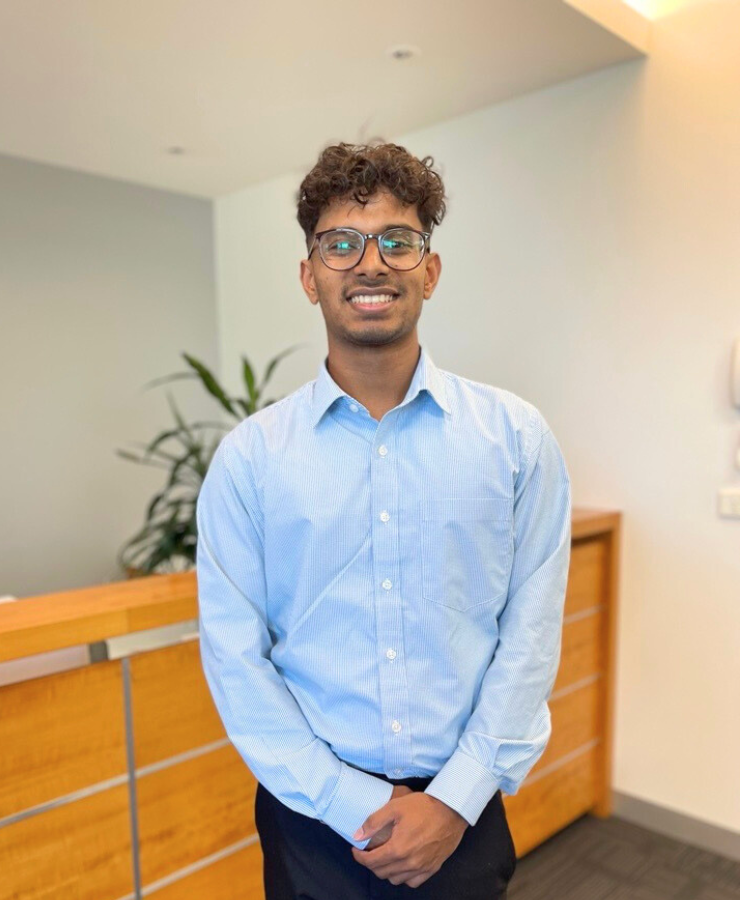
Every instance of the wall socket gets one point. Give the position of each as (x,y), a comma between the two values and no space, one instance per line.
(728,502)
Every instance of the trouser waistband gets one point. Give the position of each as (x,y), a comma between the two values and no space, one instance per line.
(416,783)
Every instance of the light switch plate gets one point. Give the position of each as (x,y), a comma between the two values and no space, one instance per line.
(728,502)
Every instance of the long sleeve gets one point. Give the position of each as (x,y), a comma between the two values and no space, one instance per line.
(260,715)
(510,724)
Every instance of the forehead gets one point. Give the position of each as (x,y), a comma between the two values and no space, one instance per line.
(381,210)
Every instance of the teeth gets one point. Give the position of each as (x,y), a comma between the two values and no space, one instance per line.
(374,299)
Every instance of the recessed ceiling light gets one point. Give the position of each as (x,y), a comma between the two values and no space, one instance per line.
(403,51)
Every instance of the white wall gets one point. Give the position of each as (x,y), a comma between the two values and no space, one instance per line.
(102,285)
(590,264)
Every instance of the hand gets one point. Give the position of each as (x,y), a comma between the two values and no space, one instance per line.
(424,833)
(380,837)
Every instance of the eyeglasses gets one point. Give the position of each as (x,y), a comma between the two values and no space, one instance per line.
(399,248)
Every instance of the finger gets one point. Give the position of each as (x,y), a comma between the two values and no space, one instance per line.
(384,855)
(418,878)
(402,874)
(379,819)
(365,858)
(399,877)
(380,837)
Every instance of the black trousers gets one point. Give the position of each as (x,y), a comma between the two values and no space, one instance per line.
(304,859)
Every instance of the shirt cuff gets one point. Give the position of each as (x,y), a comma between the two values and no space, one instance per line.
(357,796)
(464,785)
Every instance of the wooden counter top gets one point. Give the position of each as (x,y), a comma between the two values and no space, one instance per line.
(587,522)
(82,616)
(68,618)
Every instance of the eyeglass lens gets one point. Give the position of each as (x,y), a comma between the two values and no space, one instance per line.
(400,248)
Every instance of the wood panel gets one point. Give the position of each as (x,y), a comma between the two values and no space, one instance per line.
(552,801)
(60,733)
(590,522)
(68,618)
(577,719)
(78,851)
(587,575)
(236,877)
(192,809)
(582,650)
(172,706)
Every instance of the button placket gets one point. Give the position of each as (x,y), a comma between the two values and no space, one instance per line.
(388,602)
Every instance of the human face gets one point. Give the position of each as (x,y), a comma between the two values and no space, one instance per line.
(382,324)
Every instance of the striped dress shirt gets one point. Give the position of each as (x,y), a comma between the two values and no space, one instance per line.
(385,596)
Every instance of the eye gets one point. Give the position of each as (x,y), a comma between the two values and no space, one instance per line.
(340,243)
(400,241)
(340,246)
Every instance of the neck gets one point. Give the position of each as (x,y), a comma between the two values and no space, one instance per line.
(377,377)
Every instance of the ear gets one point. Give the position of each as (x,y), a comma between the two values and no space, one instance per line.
(431,274)
(308,282)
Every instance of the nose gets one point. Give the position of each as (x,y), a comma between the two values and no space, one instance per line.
(372,262)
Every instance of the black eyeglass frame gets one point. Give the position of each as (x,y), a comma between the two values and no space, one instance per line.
(365,238)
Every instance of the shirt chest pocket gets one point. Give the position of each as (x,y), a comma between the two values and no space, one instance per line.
(467,547)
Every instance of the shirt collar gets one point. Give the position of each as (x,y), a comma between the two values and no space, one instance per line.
(427,377)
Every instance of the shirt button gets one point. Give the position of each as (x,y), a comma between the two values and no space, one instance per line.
(396,726)
(382,450)
(387,584)
(398,771)
(384,516)
(354,407)
(390,653)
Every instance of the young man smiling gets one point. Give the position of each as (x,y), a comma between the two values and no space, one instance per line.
(382,560)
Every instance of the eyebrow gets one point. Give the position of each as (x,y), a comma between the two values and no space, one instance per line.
(382,227)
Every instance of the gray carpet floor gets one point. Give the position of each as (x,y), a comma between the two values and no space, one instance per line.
(612,859)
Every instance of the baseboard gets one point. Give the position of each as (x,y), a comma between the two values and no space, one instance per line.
(677,825)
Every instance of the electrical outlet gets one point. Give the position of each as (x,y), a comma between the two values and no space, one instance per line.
(728,502)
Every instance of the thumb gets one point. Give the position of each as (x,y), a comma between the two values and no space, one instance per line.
(373,824)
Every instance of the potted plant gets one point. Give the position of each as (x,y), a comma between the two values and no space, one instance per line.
(167,541)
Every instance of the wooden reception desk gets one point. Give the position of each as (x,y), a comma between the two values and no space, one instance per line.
(117,780)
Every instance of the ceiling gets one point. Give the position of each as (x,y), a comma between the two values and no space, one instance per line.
(251,90)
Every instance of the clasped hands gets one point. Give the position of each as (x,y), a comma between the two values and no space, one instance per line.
(410,837)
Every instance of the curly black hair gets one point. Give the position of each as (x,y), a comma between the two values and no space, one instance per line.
(358,171)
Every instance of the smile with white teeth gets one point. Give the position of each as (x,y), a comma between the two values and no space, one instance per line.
(367,299)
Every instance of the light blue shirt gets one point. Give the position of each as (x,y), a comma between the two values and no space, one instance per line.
(385,596)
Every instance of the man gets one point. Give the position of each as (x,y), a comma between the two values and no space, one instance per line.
(382,561)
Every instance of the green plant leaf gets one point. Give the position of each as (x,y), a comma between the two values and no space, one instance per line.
(183,426)
(210,383)
(176,377)
(248,375)
(125,454)
(210,425)
(161,438)
(156,454)
(169,532)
